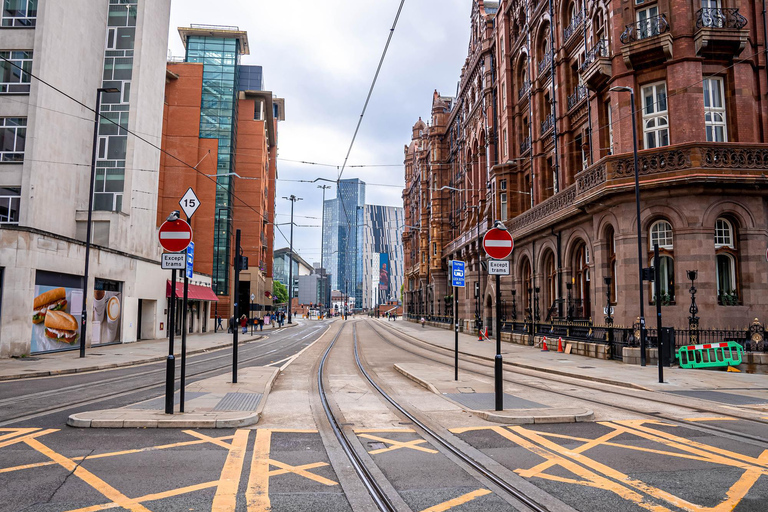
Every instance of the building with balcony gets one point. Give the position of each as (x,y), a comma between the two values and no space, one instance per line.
(559,172)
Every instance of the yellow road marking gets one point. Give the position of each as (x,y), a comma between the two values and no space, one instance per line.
(293,431)
(86,476)
(13,432)
(462,430)
(457,501)
(301,471)
(588,445)
(152,497)
(208,439)
(27,437)
(711,419)
(115,454)
(257,492)
(226,494)
(396,445)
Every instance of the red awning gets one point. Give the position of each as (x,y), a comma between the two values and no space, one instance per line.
(194,292)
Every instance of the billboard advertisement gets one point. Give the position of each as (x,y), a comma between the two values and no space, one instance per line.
(384,272)
(107,308)
(56,312)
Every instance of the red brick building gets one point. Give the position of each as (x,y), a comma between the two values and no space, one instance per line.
(536,139)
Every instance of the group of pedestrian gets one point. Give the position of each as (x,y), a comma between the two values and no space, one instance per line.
(391,316)
(258,323)
(280,318)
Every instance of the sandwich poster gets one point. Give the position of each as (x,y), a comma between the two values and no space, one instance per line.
(55,318)
(105,319)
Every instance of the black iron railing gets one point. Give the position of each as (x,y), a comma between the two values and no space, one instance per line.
(579,94)
(644,29)
(720,18)
(524,88)
(525,145)
(575,23)
(600,49)
(548,123)
(545,64)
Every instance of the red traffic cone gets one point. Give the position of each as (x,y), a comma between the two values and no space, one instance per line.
(479,335)
(560,344)
(486,333)
(544,345)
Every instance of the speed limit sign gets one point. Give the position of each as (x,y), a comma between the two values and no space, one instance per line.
(189,203)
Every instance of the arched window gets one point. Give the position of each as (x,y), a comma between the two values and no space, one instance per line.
(550,299)
(527,280)
(726,257)
(661,233)
(582,307)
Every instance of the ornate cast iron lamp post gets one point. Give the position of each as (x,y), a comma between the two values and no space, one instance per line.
(693,320)
(608,318)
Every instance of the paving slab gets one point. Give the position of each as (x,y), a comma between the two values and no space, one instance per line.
(476,395)
(214,403)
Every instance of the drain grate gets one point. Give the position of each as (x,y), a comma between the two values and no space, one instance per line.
(239,402)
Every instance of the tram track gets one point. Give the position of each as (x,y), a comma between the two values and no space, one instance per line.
(487,363)
(126,379)
(463,460)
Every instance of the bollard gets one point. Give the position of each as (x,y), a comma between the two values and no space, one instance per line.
(170,376)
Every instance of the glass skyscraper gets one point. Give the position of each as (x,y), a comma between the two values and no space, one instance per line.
(219,50)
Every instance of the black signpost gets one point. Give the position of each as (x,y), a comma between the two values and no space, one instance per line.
(170,365)
(236,324)
(189,203)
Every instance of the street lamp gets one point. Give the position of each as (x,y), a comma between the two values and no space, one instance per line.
(84,315)
(293,200)
(631,92)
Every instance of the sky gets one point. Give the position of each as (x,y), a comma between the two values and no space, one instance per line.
(321,56)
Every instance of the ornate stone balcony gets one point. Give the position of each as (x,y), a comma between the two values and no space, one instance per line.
(571,29)
(547,124)
(721,163)
(647,41)
(597,69)
(579,94)
(524,88)
(525,145)
(720,31)
(544,67)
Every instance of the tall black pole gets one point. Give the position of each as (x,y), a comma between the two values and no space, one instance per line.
(657,281)
(236,319)
(84,314)
(170,366)
(497,373)
(184,333)
(455,333)
(639,228)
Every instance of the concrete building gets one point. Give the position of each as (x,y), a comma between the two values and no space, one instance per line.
(536,138)
(282,257)
(381,255)
(44,179)
(313,289)
(225,124)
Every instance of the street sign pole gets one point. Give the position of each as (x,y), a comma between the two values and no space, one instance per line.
(457,281)
(184,327)
(170,367)
(497,360)
(235,317)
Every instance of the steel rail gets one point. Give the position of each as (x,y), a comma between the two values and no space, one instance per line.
(487,473)
(372,486)
(683,422)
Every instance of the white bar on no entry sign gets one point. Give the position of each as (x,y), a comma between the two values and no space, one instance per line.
(498,243)
(174,235)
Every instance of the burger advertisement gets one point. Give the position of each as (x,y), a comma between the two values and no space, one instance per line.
(54,327)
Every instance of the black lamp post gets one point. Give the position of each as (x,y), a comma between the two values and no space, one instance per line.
(568,310)
(84,315)
(608,318)
(293,199)
(693,320)
(536,312)
(514,305)
(631,92)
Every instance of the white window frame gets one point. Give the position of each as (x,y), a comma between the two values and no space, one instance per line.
(655,121)
(14,154)
(714,109)
(649,18)
(654,235)
(731,278)
(22,59)
(724,234)
(25,20)
(8,201)
(610,129)
(503,206)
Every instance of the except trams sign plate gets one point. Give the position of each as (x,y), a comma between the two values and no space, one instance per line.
(500,268)
(174,260)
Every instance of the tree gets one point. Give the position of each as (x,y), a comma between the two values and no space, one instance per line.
(280,292)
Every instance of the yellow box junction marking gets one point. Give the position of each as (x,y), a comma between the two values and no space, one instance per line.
(226,493)
(592,473)
(257,491)
(711,419)
(442,507)
(396,445)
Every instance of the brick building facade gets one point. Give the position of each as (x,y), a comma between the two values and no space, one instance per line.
(536,139)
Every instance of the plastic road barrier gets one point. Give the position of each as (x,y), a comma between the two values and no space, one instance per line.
(710,355)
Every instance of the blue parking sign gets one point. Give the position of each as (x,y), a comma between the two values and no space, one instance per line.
(457,273)
(190,258)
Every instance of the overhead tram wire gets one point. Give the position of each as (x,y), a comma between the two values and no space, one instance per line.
(139,137)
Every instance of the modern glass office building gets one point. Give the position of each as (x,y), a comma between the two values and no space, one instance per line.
(219,50)
(381,254)
(343,217)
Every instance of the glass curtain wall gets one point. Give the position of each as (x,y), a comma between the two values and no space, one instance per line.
(220,58)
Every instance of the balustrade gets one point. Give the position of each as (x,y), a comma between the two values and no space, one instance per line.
(644,29)
(709,17)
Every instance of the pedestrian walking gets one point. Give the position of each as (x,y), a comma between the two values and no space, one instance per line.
(218,324)
(231,325)
(261,324)
(422,322)
(244,323)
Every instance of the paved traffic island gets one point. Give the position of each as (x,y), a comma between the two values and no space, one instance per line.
(210,403)
(476,396)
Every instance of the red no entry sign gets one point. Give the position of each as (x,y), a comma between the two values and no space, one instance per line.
(498,243)
(175,235)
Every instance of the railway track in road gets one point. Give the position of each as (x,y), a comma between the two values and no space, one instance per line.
(375,488)
(597,396)
(155,376)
